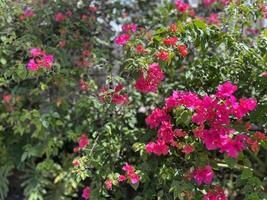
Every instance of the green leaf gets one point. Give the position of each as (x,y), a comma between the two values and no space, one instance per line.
(253,196)
(135,186)
(246,173)
(3,61)
(200,24)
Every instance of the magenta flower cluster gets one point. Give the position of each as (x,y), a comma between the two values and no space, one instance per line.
(212,114)
(150,82)
(39,59)
(125,37)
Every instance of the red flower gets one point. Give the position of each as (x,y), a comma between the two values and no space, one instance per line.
(162,55)
(182,50)
(83,141)
(259,136)
(188,149)
(151,81)
(86,53)
(119,99)
(7,98)
(170,41)
(140,49)
(59,17)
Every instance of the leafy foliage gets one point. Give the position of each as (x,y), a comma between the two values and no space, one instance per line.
(44,113)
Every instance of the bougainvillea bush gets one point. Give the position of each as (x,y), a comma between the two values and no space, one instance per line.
(133,100)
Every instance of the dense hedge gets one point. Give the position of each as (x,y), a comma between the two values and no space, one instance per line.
(133,100)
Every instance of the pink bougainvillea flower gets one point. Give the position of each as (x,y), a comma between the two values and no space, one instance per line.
(182,50)
(108,184)
(83,141)
(192,12)
(130,173)
(35,52)
(233,146)
(166,133)
(84,86)
(47,61)
(92,8)
(7,98)
(188,149)
(69,13)
(140,49)
(121,178)
(170,41)
(122,39)
(129,27)
(226,89)
(32,65)
(264,74)
(158,148)
(22,17)
(59,17)
(76,149)
(260,136)
(162,55)
(40,59)
(134,178)
(128,168)
(208,3)
(155,119)
(114,95)
(86,193)
(103,94)
(62,43)
(213,19)
(217,194)
(203,175)
(217,111)
(225,2)
(86,53)
(120,99)
(151,81)
(75,163)
(179,133)
(181,6)
(28,12)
